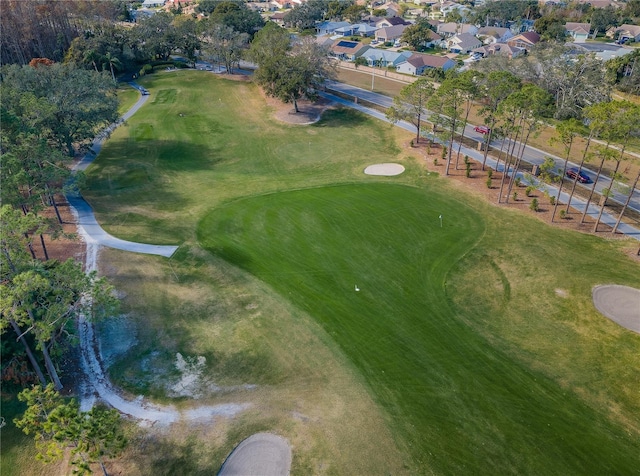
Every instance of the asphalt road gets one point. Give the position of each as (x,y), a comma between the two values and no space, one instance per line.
(531,154)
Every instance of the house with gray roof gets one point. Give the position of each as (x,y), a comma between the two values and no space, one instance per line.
(493,34)
(329,27)
(499,49)
(418,63)
(390,33)
(463,43)
(385,58)
(451,29)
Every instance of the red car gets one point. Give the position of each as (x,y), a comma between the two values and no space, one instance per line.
(482,129)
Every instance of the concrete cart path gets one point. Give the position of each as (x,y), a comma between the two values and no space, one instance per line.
(83,211)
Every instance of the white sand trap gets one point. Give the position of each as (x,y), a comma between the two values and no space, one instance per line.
(262,454)
(384,169)
(621,304)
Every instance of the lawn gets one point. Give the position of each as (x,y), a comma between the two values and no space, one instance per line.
(469,348)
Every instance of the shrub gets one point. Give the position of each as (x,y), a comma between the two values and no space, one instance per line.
(490,173)
(552,200)
(515,196)
(489,182)
(563,214)
(534,205)
(411,143)
(468,171)
(435,161)
(529,190)
(518,181)
(466,160)
(444,152)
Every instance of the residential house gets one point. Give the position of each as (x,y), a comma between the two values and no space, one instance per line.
(418,63)
(278,17)
(364,29)
(392,21)
(152,3)
(433,40)
(390,8)
(385,58)
(329,27)
(450,29)
(347,50)
(493,34)
(526,40)
(371,20)
(325,41)
(603,3)
(499,49)
(463,43)
(345,31)
(578,31)
(448,7)
(390,33)
(625,32)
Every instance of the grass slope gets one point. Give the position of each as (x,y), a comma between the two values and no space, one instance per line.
(461,403)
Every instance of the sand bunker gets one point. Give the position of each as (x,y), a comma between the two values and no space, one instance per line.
(262,454)
(387,170)
(621,304)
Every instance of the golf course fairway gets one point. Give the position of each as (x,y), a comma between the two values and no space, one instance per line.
(370,263)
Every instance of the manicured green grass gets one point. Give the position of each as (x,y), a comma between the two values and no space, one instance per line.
(461,403)
(127,97)
(487,367)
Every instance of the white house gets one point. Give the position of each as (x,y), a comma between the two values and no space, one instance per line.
(450,29)
(385,58)
(152,3)
(463,43)
(493,34)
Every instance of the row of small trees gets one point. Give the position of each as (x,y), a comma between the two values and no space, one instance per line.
(515,112)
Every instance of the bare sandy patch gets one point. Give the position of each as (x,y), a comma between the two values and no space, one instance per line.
(621,304)
(262,454)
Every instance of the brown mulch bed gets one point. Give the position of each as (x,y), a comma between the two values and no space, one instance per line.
(477,185)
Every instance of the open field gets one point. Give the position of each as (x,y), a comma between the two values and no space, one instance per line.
(127,97)
(469,348)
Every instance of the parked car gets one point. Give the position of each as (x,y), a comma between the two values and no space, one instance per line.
(582,177)
(482,129)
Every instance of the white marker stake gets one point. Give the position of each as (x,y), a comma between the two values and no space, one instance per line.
(357,288)
(440,221)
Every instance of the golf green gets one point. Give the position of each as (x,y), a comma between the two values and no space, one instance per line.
(370,263)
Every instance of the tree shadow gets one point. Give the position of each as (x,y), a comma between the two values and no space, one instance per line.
(341,117)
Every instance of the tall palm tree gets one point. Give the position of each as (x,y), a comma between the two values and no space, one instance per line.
(113,62)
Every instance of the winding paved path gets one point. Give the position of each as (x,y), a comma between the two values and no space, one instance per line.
(83,211)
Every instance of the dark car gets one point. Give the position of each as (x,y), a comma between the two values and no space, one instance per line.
(582,177)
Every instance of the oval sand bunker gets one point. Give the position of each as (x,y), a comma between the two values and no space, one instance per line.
(387,170)
(262,454)
(621,304)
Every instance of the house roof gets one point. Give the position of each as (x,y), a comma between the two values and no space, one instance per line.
(397,21)
(454,28)
(495,31)
(376,54)
(431,61)
(583,28)
(631,29)
(364,28)
(390,32)
(530,37)
(332,25)
(278,16)
(347,47)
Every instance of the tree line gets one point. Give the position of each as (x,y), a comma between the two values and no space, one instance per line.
(515,111)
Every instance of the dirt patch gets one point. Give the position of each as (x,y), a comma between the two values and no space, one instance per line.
(621,304)
(308,112)
(261,454)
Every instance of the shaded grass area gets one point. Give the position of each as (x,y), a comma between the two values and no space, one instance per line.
(457,399)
